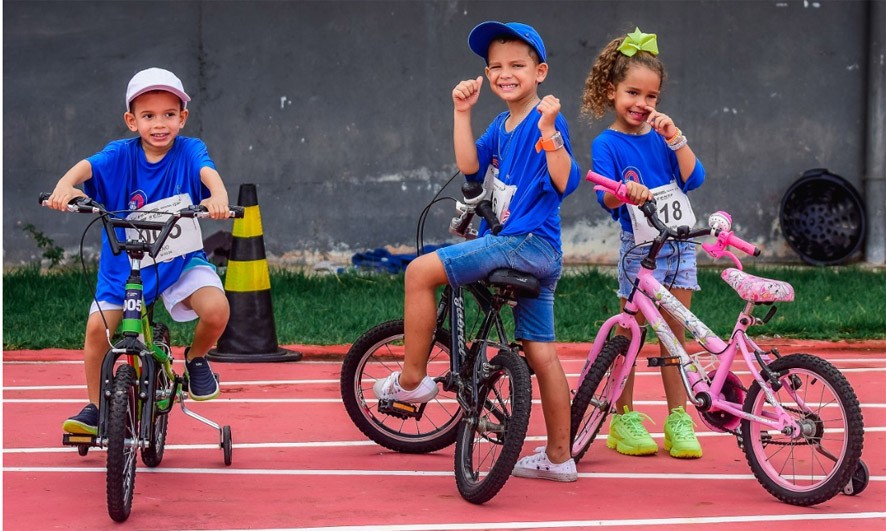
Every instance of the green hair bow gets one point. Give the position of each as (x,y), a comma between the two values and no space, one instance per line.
(639,42)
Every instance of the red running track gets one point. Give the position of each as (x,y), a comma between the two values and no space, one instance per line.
(299,463)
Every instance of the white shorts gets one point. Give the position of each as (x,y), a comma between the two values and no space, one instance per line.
(191,280)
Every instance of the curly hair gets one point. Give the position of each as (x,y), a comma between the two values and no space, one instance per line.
(612,67)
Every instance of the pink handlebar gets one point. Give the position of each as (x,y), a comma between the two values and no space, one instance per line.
(605,184)
(734,241)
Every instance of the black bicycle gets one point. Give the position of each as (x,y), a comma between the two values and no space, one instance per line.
(486,390)
(138,393)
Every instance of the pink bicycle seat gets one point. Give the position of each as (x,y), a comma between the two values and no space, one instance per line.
(757,289)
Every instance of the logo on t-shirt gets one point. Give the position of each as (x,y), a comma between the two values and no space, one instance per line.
(137,200)
(632,174)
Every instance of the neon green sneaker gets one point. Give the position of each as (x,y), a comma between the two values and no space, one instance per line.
(628,436)
(679,435)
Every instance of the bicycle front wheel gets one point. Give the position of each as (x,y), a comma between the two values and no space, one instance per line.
(489,441)
(152,454)
(816,465)
(122,431)
(594,399)
(374,356)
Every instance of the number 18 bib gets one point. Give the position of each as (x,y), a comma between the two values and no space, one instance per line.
(673,208)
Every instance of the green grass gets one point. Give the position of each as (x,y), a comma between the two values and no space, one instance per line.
(48,310)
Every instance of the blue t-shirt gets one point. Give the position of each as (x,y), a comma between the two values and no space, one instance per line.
(646,159)
(123,180)
(535,206)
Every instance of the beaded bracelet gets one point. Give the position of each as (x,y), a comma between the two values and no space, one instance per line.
(679,143)
(673,138)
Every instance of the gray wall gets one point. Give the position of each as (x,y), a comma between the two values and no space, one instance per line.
(340,111)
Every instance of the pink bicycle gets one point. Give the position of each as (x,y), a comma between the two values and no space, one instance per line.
(799,422)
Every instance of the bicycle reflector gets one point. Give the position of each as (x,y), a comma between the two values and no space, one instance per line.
(823,218)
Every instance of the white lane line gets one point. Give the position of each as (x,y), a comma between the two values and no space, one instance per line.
(224,471)
(564,524)
(343,444)
(328,381)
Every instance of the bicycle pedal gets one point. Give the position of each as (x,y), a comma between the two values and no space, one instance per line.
(401,410)
(78,439)
(663,361)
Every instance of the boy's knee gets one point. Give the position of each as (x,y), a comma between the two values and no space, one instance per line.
(216,317)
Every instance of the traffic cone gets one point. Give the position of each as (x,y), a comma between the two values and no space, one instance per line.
(250,335)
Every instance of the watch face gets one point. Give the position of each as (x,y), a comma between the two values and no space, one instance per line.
(558,140)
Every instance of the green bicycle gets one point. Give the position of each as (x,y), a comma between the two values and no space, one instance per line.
(139,391)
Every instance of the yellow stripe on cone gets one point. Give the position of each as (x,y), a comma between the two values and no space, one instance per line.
(249,225)
(247,276)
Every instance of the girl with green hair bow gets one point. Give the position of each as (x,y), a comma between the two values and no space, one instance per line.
(646,150)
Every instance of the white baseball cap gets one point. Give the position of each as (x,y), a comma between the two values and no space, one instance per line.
(155,79)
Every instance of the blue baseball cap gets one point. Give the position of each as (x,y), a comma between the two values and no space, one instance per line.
(485,32)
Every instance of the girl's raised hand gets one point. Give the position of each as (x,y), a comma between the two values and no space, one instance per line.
(466,93)
(661,123)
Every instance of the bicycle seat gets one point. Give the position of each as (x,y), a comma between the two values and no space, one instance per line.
(522,284)
(757,289)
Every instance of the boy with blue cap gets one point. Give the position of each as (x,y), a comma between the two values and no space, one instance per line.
(148,172)
(525,157)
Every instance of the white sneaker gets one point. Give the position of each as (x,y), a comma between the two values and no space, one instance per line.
(539,466)
(389,388)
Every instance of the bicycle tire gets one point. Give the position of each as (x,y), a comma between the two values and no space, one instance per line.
(794,471)
(122,426)
(596,390)
(489,442)
(152,454)
(377,353)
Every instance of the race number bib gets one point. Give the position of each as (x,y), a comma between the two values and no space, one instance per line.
(184,238)
(673,207)
(501,199)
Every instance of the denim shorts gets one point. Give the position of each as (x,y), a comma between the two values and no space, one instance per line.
(675,266)
(473,260)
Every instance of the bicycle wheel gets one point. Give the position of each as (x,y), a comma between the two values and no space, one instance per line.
(122,432)
(375,355)
(489,442)
(814,467)
(594,401)
(152,454)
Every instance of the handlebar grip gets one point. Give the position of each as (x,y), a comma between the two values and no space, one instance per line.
(734,241)
(237,211)
(484,208)
(44,196)
(605,184)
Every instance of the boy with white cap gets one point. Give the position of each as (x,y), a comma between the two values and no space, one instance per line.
(527,155)
(150,170)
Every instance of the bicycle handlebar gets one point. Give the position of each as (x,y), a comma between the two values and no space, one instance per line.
(87,205)
(720,223)
(474,202)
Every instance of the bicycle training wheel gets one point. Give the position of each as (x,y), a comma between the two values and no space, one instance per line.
(152,454)
(122,431)
(817,465)
(594,401)
(375,355)
(490,441)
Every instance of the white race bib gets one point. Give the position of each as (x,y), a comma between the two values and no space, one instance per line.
(501,199)
(185,236)
(673,208)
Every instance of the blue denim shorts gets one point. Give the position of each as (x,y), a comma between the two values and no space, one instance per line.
(675,266)
(473,260)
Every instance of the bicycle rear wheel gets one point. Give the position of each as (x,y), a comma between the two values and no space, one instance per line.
(374,356)
(817,465)
(594,401)
(489,441)
(122,432)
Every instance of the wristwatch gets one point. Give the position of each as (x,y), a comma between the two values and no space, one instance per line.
(549,144)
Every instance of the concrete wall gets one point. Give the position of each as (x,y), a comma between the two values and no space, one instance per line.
(340,111)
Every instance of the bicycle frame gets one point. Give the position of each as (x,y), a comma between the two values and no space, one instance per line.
(464,361)
(704,391)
